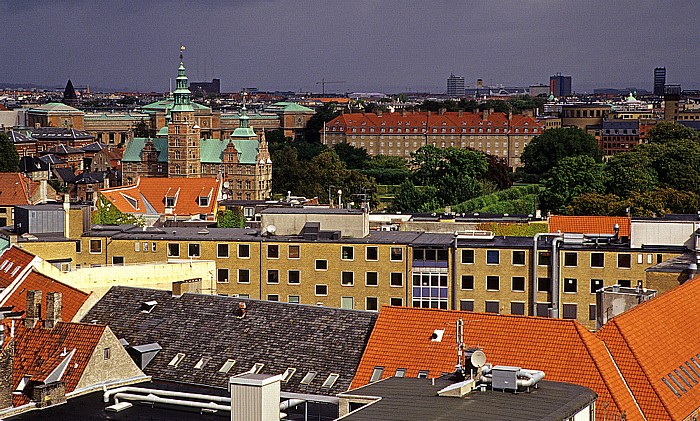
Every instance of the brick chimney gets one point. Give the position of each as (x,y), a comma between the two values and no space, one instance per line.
(53,309)
(378,112)
(485,114)
(33,314)
(442,111)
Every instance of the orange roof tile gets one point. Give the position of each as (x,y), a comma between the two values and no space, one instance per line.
(13,264)
(38,351)
(15,189)
(71,301)
(656,338)
(148,195)
(563,349)
(589,224)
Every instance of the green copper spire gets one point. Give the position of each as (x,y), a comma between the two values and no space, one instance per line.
(243,120)
(243,130)
(182,93)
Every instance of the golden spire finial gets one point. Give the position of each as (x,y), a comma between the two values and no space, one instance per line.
(182,48)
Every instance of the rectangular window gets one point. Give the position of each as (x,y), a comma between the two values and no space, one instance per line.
(519,257)
(116,261)
(543,309)
(596,284)
(396,301)
(78,246)
(294,299)
(466,305)
(396,254)
(570,311)
(347,303)
(423,374)
(145,246)
(518,283)
(107,353)
(243,276)
(544,258)
(371,279)
(517,308)
(400,372)
(226,367)
(571,259)
(468,282)
(493,257)
(321,264)
(137,246)
(376,374)
(492,307)
(592,312)
(396,279)
(347,253)
(222,250)
(543,285)
(624,261)
(96,246)
(372,253)
(624,283)
(273,297)
(347,278)
(193,250)
(467,257)
(493,283)
(244,251)
(294,252)
(597,260)
(153,247)
(273,251)
(570,285)
(222,275)
(371,303)
(273,276)
(173,250)
(293,277)
(321,289)
(330,381)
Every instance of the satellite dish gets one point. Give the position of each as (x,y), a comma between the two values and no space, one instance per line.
(476,358)
(271,229)
(226,184)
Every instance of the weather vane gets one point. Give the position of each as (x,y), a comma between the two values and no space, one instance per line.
(182,48)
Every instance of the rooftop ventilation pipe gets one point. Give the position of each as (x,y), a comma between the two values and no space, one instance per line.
(242,310)
(526,378)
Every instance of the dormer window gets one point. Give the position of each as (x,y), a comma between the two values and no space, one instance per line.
(203,201)
(170,202)
(148,306)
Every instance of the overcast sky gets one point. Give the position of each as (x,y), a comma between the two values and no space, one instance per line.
(371,45)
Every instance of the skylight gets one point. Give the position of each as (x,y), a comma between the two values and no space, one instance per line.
(400,372)
(7,269)
(288,373)
(423,374)
(201,362)
(4,264)
(255,369)
(376,374)
(330,381)
(176,360)
(309,377)
(227,366)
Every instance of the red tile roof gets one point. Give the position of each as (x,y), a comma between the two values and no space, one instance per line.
(589,224)
(656,338)
(39,351)
(13,264)
(15,189)
(132,199)
(563,349)
(72,299)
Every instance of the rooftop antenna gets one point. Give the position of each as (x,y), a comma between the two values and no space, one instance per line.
(460,341)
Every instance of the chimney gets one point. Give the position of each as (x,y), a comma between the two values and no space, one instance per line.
(510,114)
(33,314)
(255,397)
(442,111)
(378,112)
(460,113)
(53,309)
(42,191)
(403,113)
(485,114)
(66,216)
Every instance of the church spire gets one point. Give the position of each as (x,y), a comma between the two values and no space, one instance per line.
(182,93)
(243,120)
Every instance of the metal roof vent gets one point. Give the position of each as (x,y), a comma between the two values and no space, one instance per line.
(148,306)
(437,335)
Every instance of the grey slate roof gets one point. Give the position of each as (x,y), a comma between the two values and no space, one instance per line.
(51,133)
(279,335)
(417,399)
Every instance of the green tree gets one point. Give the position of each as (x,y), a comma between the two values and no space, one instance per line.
(230,218)
(544,151)
(141,129)
(409,198)
(677,163)
(288,173)
(498,172)
(573,176)
(669,131)
(354,158)
(596,204)
(323,115)
(9,158)
(631,171)
(108,214)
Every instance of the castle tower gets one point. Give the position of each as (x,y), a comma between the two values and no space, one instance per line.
(183,133)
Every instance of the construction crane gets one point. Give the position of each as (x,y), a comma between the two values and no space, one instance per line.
(324,82)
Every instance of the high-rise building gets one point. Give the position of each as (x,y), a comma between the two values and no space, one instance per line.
(560,85)
(455,85)
(659,81)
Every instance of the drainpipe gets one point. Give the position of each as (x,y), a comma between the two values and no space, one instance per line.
(454,274)
(556,284)
(408,278)
(533,263)
(260,274)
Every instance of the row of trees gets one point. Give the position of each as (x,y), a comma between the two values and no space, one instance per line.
(652,179)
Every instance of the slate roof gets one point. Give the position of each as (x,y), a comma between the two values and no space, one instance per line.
(656,342)
(89,178)
(147,196)
(18,138)
(64,150)
(94,147)
(65,174)
(54,108)
(52,159)
(564,349)
(417,399)
(39,351)
(16,189)
(279,335)
(60,133)
(589,224)
(32,164)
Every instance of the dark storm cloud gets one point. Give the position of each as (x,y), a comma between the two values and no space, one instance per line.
(389,45)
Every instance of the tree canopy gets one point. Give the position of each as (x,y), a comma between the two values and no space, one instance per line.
(545,150)
(9,158)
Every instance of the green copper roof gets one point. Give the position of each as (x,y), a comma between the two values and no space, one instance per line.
(54,107)
(290,107)
(132,153)
(126,116)
(168,104)
(244,132)
(163,132)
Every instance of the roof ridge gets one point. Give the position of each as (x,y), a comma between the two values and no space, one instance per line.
(664,296)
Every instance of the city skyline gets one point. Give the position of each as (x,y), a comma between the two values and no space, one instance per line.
(388,46)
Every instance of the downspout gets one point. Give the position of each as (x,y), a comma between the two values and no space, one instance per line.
(556,284)
(454,274)
(534,262)
(260,268)
(409,279)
